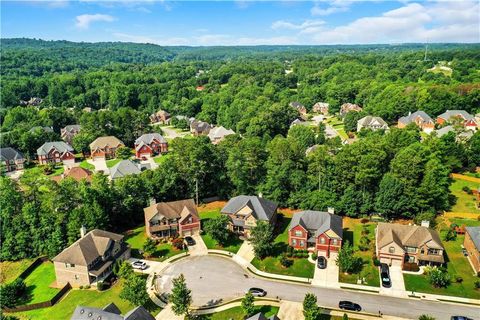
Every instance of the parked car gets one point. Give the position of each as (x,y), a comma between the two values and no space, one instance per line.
(460,318)
(348,305)
(139,265)
(385,275)
(257,292)
(464,251)
(321,262)
(190,241)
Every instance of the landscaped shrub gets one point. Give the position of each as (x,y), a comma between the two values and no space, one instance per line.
(12,293)
(376,262)
(450,235)
(364,243)
(476,283)
(314,256)
(178,243)
(439,278)
(458,279)
(101,286)
(467,190)
(305,255)
(364,220)
(86,287)
(284,261)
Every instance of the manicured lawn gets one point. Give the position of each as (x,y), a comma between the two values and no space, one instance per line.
(232,245)
(236,313)
(38,283)
(92,298)
(209,214)
(84,164)
(160,159)
(465,202)
(112,162)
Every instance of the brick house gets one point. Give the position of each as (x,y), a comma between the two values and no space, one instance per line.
(320,232)
(11,159)
(300,107)
(150,144)
(56,152)
(172,219)
(76,173)
(200,128)
(90,259)
(465,118)
(321,107)
(397,244)
(245,211)
(105,147)
(69,132)
(348,107)
(472,245)
(160,116)
(421,120)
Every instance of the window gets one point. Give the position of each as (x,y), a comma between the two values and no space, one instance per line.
(76,277)
(411,259)
(294,242)
(411,249)
(434,252)
(391,250)
(322,240)
(302,243)
(335,241)
(298,233)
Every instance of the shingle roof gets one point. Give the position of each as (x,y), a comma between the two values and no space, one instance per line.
(319,221)
(411,117)
(405,235)
(77,173)
(200,126)
(7,154)
(125,168)
(368,121)
(219,133)
(171,210)
(263,209)
(61,147)
(110,312)
(463,134)
(455,113)
(147,138)
(474,233)
(45,129)
(102,142)
(85,250)
(296,104)
(139,313)
(72,127)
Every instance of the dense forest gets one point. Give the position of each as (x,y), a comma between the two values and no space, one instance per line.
(247,89)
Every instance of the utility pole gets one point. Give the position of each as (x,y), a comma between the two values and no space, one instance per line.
(196,189)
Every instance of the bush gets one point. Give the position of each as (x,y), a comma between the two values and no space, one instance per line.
(476,284)
(289,254)
(314,256)
(458,279)
(439,278)
(101,286)
(426,317)
(376,262)
(178,243)
(467,190)
(284,261)
(364,243)
(364,220)
(451,235)
(413,267)
(12,293)
(86,287)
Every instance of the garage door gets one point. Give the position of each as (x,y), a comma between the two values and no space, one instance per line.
(187,233)
(396,262)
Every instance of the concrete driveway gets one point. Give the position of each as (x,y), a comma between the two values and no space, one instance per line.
(327,277)
(246,251)
(100,165)
(151,162)
(153,266)
(199,248)
(214,279)
(398,285)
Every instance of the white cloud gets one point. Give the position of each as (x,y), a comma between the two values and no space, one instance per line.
(332,7)
(282,24)
(83,21)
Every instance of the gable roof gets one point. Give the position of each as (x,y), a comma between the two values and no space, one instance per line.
(455,113)
(125,168)
(200,126)
(319,221)
(77,173)
(474,233)
(412,116)
(110,312)
(139,313)
(296,104)
(462,134)
(262,209)
(45,129)
(219,132)
(171,210)
(405,235)
(72,128)
(85,250)
(102,142)
(61,147)
(147,138)
(346,107)
(7,154)
(372,121)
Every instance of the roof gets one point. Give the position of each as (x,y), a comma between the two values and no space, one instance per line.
(474,233)
(219,132)
(412,116)
(319,221)
(139,313)
(407,235)
(60,146)
(45,129)
(262,209)
(102,142)
(72,127)
(312,149)
(455,113)
(321,105)
(85,250)
(369,121)
(77,173)
(200,126)
(7,154)
(346,107)
(125,168)
(110,312)
(147,138)
(463,134)
(296,104)
(172,209)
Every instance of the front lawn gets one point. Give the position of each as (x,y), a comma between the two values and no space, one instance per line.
(112,162)
(236,313)
(10,270)
(464,202)
(232,245)
(85,165)
(38,284)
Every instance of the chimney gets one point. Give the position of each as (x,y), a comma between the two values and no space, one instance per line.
(83,231)
(425,223)
(331,210)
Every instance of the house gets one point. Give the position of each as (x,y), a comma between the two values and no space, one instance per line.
(397,244)
(76,173)
(11,159)
(172,219)
(461,136)
(472,245)
(244,212)
(200,88)
(56,152)
(372,123)
(321,107)
(300,107)
(421,120)
(69,132)
(150,144)
(465,118)
(348,107)
(160,116)
(34,101)
(311,149)
(297,121)
(261,316)
(105,147)
(90,259)
(217,134)
(127,168)
(39,128)
(199,128)
(110,312)
(321,232)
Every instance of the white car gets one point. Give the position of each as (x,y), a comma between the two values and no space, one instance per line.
(139,265)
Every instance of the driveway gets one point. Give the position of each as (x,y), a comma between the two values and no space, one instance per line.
(153,266)
(199,248)
(246,251)
(100,165)
(151,162)
(213,279)
(327,277)
(398,286)
(170,132)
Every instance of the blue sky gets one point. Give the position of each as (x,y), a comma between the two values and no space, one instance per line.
(243,22)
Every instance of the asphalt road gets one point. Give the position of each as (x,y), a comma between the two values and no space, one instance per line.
(213,278)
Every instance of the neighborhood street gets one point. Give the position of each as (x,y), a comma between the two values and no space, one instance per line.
(213,279)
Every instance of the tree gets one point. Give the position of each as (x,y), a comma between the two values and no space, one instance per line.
(181,296)
(346,260)
(123,269)
(311,311)
(149,247)
(134,290)
(438,277)
(12,293)
(426,317)
(261,238)
(248,306)
(123,153)
(351,119)
(303,135)
(345,316)
(217,228)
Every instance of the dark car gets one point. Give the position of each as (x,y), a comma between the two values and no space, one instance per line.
(348,305)
(460,318)
(321,262)
(464,251)
(189,240)
(385,275)
(257,292)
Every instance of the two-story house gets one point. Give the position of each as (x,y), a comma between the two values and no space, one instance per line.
(90,259)
(160,116)
(321,232)
(11,159)
(245,211)
(463,117)
(56,152)
(300,108)
(349,107)
(321,107)
(200,128)
(69,132)
(150,144)
(372,123)
(472,245)
(397,244)
(172,219)
(105,147)
(421,120)
(217,134)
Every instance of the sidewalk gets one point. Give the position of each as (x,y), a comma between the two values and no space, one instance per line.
(246,251)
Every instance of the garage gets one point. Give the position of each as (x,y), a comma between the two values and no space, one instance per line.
(391,261)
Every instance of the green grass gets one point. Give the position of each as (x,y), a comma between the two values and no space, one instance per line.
(232,245)
(92,298)
(205,215)
(85,165)
(465,202)
(236,313)
(160,159)
(38,284)
(112,162)
(10,270)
